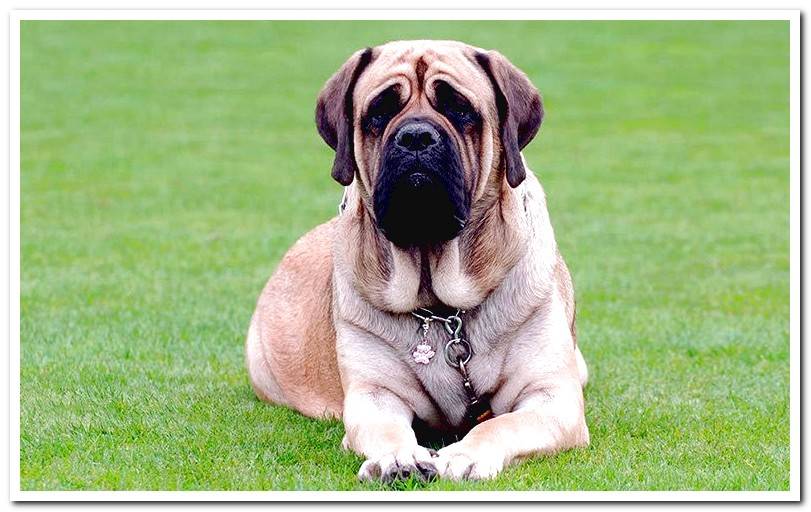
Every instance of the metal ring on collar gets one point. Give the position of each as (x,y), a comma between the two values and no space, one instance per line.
(467,351)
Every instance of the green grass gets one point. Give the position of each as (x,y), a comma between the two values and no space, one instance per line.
(167,166)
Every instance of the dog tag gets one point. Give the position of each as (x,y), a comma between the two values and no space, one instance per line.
(424,351)
(423,354)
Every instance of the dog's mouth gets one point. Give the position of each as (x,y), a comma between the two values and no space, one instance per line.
(418,210)
(420,197)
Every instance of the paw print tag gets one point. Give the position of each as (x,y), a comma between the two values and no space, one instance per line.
(424,351)
(423,354)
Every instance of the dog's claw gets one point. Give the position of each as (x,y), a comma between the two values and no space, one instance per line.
(390,475)
(428,471)
(390,468)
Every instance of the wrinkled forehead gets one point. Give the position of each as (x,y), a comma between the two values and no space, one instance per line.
(417,64)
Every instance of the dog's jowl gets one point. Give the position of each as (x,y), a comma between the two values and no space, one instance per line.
(438,297)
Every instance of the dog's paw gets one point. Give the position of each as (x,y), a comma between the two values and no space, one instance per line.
(416,461)
(460,462)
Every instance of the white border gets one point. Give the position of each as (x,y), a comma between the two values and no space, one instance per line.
(16,494)
(406,14)
(795,314)
(14,251)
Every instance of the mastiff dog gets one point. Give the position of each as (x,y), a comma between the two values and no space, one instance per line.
(436,301)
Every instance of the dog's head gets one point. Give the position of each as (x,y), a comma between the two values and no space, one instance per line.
(427,128)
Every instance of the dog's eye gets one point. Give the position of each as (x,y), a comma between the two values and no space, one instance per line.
(454,106)
(382,109)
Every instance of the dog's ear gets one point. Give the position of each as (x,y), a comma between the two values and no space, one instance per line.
(334,115)
(520,110)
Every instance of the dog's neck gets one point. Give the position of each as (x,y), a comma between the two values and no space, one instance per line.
(458,274)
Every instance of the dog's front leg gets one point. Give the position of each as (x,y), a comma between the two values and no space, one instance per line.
(378,427)
(544,421)
(376,415)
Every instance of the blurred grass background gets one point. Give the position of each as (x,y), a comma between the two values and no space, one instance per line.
(167,166)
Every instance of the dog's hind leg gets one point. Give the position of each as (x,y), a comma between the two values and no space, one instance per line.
(263,381)
(582,368)
(290,348)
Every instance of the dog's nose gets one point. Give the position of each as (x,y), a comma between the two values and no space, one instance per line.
(417,136)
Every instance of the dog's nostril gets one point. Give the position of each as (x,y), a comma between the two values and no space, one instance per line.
(407,140)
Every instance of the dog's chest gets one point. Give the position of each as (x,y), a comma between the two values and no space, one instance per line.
(433,356)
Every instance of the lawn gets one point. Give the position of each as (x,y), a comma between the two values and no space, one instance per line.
(167,166)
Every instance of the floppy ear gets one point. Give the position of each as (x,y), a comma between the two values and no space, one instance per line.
(520,110)
(334,115)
